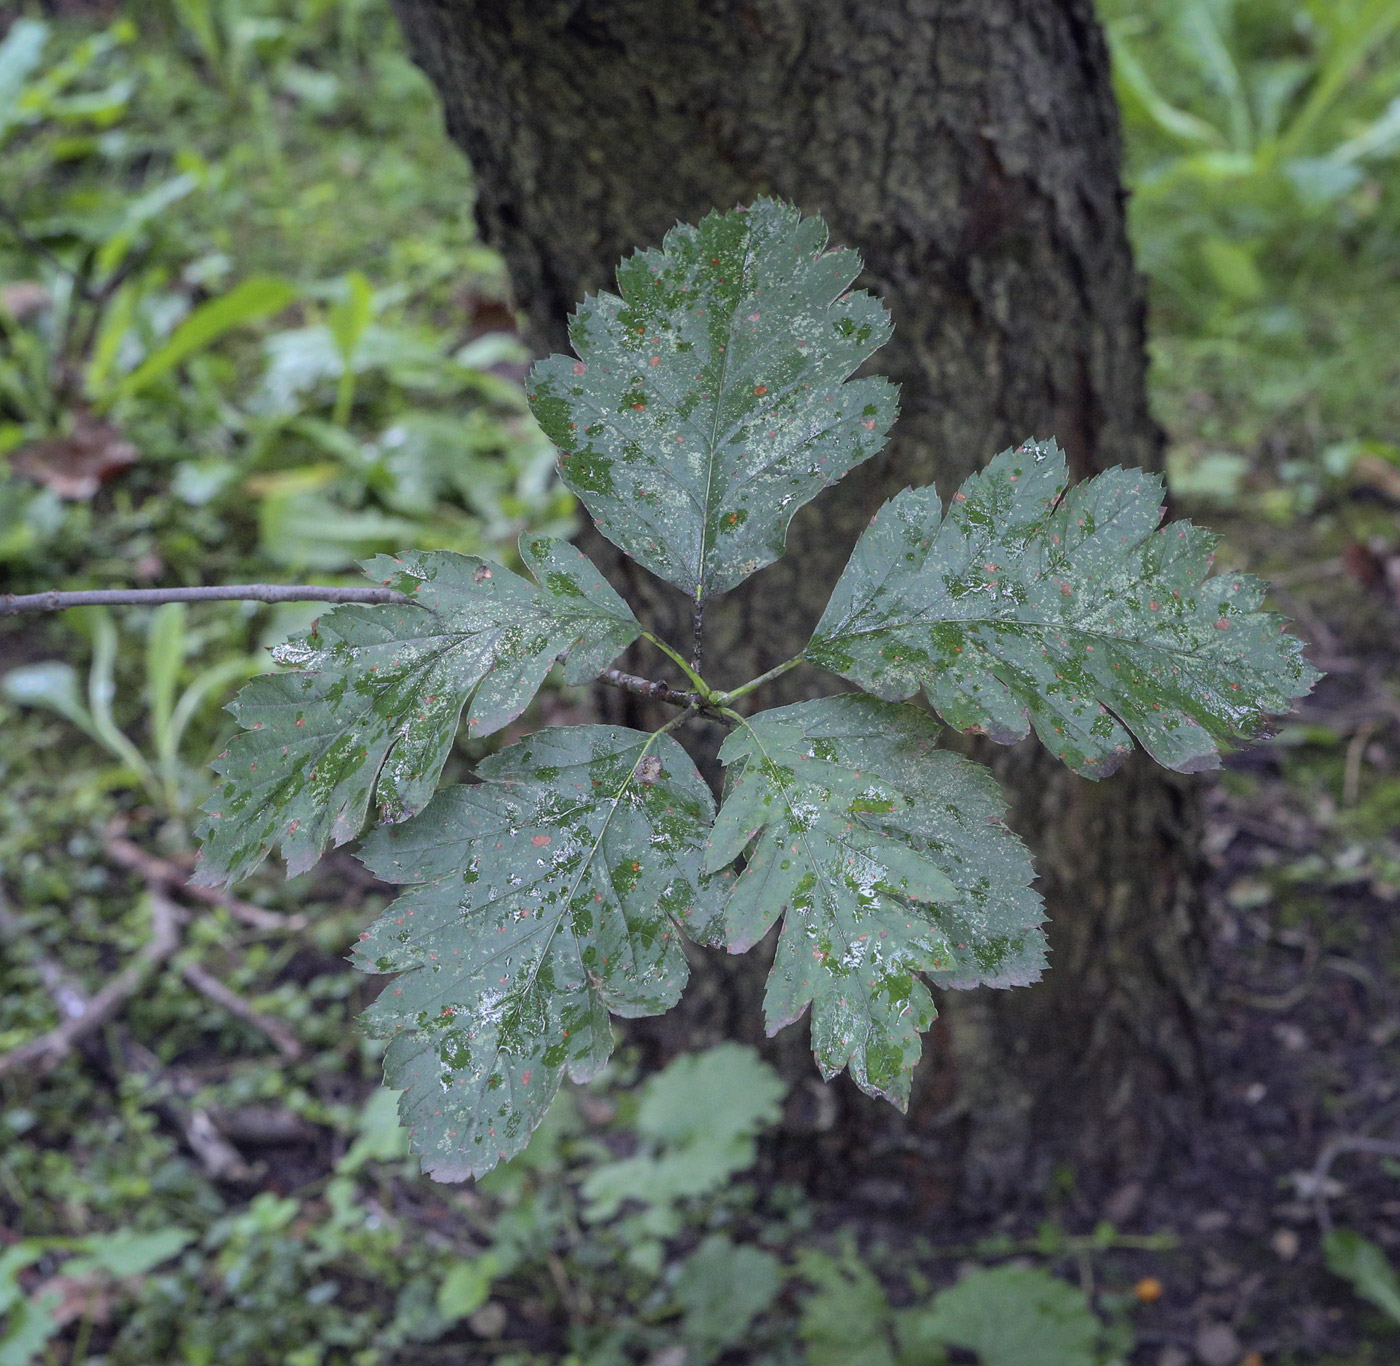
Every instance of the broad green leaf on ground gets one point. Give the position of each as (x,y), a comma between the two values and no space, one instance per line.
(552,893)
(1366,1266)
(846,1319)
(1008,1315)
(696,1122)
(710,400)
(1070,611)
(721,1289)
(886,858)
(374,705)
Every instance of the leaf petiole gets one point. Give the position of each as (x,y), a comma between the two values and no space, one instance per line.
(722,699)
(701,687)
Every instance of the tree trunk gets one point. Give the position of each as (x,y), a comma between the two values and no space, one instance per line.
(969,149)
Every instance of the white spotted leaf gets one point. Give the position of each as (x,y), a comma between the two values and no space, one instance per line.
(551,895)
(887,860)
(709,398)
(1069,610)
(372,705)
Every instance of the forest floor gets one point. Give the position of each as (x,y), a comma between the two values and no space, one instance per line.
(1304,1054)
(215,1175)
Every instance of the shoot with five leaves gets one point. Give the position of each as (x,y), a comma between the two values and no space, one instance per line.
(707,401)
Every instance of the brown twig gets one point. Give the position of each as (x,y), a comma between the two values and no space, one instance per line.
(1331,1150)
(170,1099)
(31,244)
(208,985)
(659,691)
(1356,753)
(11,603)
(83,1014)
(1321,634)
(220,1159)
(1309,573)
(176,879)
(66,990)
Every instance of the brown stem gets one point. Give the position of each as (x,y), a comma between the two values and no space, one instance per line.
(10,603)
(83,1015)
(661,691)
(32,244)
(172,876)
(698,629)
(206,983)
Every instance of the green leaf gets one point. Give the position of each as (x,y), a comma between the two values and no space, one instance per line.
(375,704)
(348,317)
(846,1321)
(467,1286)
(721,1289)
(126,1252)
(886,857)
(20,56)
(254,298)
(552,894)
(1008,1315)
(379,1137)
(1137,94)
(52,684)
(707,403)
(696,1122)
(1360,1261)
(31,1325)
(12,1261)
(1070,611)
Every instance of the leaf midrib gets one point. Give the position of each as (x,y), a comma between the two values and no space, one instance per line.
(706,529)
(889,626)
(412,677)
(587,864)
(818,865)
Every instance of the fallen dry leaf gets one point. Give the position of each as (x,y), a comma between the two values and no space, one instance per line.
(1379,475)
(79,1297)
(23,299)
(75,466)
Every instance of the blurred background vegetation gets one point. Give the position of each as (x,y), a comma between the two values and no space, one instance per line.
(247,333)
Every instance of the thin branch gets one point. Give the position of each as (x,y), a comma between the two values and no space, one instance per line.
(220,1159)
(701,687)
(11,603)
(67,992)
(40,1056)
(206,983)
(32,244)
(174,878)
(1316,1180)
(658,690)
(169,1097)
(661,691)
(725,698)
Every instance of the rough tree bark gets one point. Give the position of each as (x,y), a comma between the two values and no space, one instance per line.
(970,150)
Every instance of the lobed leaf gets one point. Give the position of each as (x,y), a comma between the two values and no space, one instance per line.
(1008,1315)
(886,858)
(696,1125)
(374,706)
(1069,611)
(710,398)
(552,894)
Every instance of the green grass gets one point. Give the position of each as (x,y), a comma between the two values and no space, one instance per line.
(1262,138)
